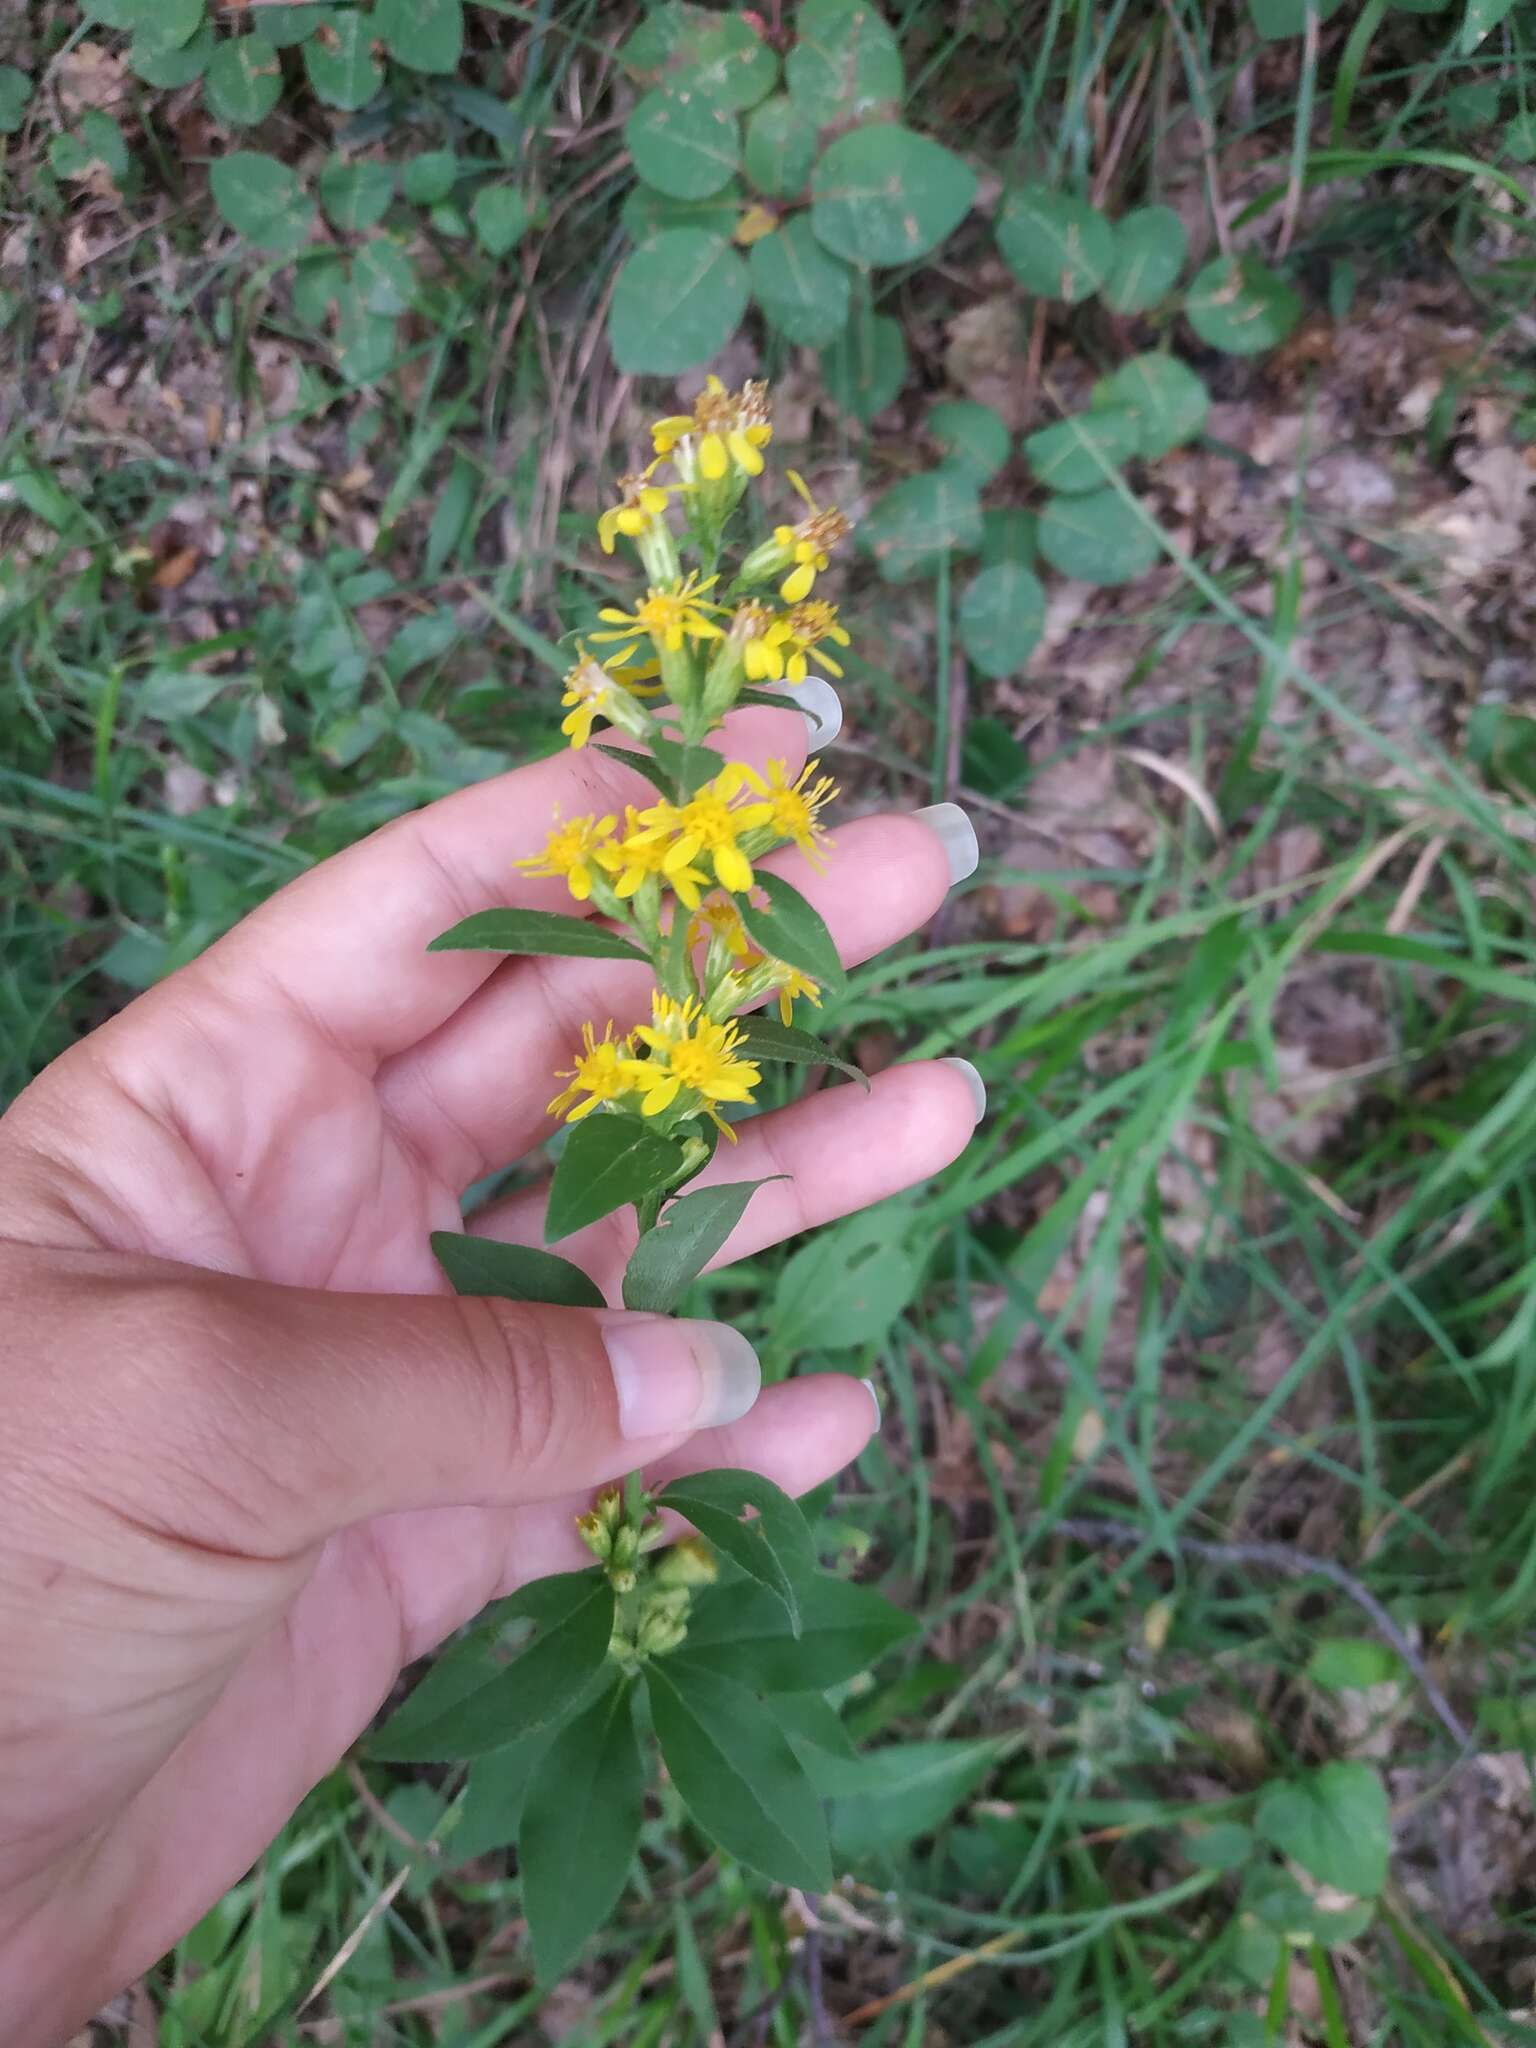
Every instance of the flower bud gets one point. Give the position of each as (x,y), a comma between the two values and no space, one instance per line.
(688,1563)
(596,1536)
(660,1633)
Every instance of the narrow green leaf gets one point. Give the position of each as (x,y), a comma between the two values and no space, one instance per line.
(843,1630)
(534,931)
(608,1160)
(765,1038)
(737,1775)
(669,1258)
(775,1549)
(512,1272)
(792,931)
(813,1724)
(581,1828)
(494,1793)
(883,1801)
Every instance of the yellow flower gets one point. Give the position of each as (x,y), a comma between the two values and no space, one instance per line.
(705,824)
(809,625)
(720,919)
(807,543)
(728,426)
(689,1051)
(571,851)
(793,983)
(592,691)
(790,808)
(667,616)
(604,1070)
(638,853)
(640,504)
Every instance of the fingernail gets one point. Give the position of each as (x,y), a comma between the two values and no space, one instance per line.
(956,834)
(670,1375)
(820,706)
(973,1081)
(874,1394)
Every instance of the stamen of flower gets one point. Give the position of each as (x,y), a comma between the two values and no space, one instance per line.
(790,808)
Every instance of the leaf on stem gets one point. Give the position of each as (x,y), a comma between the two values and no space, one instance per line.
(789,929)
(512,1272)
(765,1038)
(692,1229)
(580,1828)
(775,1549)
(543,932)
(609,1160)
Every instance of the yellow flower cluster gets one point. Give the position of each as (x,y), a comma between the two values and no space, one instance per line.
(692,1064)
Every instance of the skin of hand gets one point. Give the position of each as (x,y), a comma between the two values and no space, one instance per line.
(256,1456)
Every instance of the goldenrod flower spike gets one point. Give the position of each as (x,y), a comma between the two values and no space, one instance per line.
(690,1052)
(604,1070)
(810,626)
(726,427)
(720,921)
(571,851)
(641,504)
(789,808)
(638,854)
(668,617)
(706,824)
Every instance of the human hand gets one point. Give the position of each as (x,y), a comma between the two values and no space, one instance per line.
(255,1456)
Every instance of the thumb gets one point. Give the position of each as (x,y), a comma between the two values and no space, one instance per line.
(285,1413)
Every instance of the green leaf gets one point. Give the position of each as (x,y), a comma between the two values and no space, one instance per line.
(676,302)
(845,67)
(424,35)
(647,214)
(865,368)
(168,25)
(1239,305)
(670,1257)
(429,177)
(716,56)
(780,148)
(494,1794)
(1002,616)
(168,67)
(682,145)
(813,1726)
(263,201)
(15,97)
(1278,20)
(1008,534)
(1335,1823)
(802,290)
(843,1630)
(500,215)
(917,521)
(285,26)
(849,1284)
(883,194)
(1150,247)
(669,767)
(1164,397)
(608,1160)
(1352,1664)
(775,1549)
(244,80)
(1481,19)
(1056,246)
(581,1828)
(1097,538)
(1225,1845)
(547,932)
(1073,454)
(991,759)
(356,195)
(98,140)
(512,1272)
(789,929)
(737,1775)
(765,1038)
(383,276)
(340,63)
(500,1703)
(974,438)
(318,284)
(888,1799)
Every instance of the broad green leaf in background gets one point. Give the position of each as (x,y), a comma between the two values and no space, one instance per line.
(849,1284)
(430,177)
(802,290)
(15,96)
(512,1272)
(865,368)
(845,66)
(884,1801)
(548,932)
(780,148)
(581,1828)
(1335,1823)
(169,66)
(774,1549)
(974,438)
(318,284)
(677,300)
(424,35)
(1150,247)
(1274,1899)
(1073,454)
(1240,306)
(1278,20)
(608,1161)
(1352,1664)
(813,1726)
(647,214)
(538,1689)
(383,276)
(1002,615)
(1008,534)
(356,195)
(244,80)
(1056,246)
(682,145)
(290,25)
(167,25)
(1224,1845)
(500,216)
(883,194)
(1164,397)
(1097,538)
(915,522)
(263,201)
(736,1773)
(119,14)
(691,1229)
(716,56)
(765,1038)
(340,62)
(843,1630)
(1481,19)
(494,1793)
(788,928)
(98,140)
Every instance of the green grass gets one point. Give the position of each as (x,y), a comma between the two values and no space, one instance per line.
(1145,1299)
